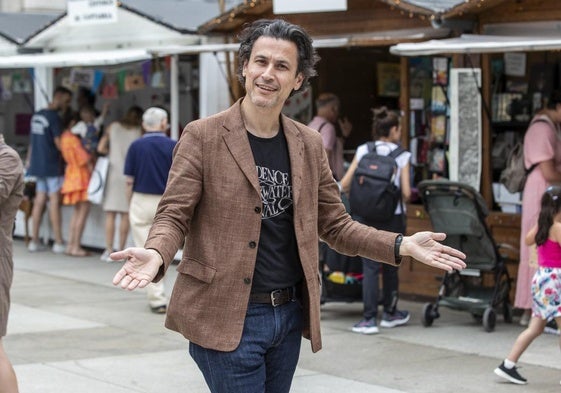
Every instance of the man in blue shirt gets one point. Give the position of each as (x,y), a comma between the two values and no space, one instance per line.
(45,163)
(147,166)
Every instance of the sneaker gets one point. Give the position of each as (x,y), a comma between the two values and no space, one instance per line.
(36,247)
(59,248)
(510,374)
(366,326)
(551,328)
(159,309)
(105,256)
(396,319)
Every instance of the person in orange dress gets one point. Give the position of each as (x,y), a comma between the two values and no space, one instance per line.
(75,187)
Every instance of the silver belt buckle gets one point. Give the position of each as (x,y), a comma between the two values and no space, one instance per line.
(275,297)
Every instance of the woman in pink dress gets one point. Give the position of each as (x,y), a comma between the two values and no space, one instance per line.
(542,148)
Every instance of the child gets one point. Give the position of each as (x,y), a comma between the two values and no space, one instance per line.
(75,186)
(89,127)
(546,284)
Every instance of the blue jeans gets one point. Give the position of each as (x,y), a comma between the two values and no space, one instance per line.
(266,358)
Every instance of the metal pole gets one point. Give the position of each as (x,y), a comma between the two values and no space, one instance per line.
(174,98)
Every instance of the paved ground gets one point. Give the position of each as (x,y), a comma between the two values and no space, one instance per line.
(71,331)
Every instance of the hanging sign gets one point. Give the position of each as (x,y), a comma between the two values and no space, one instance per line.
(90,12)
(298,7)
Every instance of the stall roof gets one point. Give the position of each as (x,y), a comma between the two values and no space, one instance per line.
(234,17)
(444,8)
(17,26)
(471,43)
(184,16)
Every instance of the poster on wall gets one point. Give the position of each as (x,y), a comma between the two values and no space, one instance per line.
(440,71)
(515,64)
(82,77)
(465,126)
(388,79)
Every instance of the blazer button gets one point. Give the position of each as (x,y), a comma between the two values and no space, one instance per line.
(247,280)
(257,209)
(252,244)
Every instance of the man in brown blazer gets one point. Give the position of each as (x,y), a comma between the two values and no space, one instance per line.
(250,192)
(11,194)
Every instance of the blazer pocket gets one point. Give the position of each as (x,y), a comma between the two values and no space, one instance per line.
(197,269)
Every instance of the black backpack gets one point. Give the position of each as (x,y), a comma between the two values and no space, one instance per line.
(373,195)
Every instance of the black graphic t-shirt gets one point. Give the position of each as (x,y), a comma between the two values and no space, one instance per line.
(278,264)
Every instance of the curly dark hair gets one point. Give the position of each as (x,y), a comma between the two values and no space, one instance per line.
(550,206)
(280,29)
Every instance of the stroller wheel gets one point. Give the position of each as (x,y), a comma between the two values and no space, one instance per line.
(428,314)
(489,319)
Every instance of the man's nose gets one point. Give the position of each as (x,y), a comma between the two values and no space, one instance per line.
(269,71)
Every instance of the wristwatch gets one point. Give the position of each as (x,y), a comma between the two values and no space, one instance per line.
(396,247)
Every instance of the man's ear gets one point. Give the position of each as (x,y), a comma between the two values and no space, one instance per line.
(299,81)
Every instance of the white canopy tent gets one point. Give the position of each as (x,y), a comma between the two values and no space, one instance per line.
(130,31)
(7,47)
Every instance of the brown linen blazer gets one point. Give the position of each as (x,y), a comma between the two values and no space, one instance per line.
(212,202)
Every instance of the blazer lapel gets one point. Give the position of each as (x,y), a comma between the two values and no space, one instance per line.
(296,153)
(238,144)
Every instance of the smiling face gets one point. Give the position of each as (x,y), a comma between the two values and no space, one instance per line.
(271,72)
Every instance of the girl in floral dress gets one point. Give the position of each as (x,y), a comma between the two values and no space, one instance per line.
(546,283)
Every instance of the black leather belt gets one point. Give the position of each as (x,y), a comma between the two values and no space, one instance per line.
(275,298)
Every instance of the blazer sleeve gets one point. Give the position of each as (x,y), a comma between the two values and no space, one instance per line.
(340,231)
(182,194)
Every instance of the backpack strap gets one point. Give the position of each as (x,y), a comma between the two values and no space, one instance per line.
(371,146)
(396,152)
(393,154)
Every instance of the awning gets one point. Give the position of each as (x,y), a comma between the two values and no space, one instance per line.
(120,56)
(379,38)
(473,43)
(73,59)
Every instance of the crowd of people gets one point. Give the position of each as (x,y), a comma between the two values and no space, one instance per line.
(285,181)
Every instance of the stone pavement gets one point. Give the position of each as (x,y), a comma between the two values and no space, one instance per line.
(71,331)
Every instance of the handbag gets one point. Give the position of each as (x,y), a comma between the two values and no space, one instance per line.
(96,187)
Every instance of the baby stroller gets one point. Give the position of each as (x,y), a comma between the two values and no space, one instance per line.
(483,287)
(341,275)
